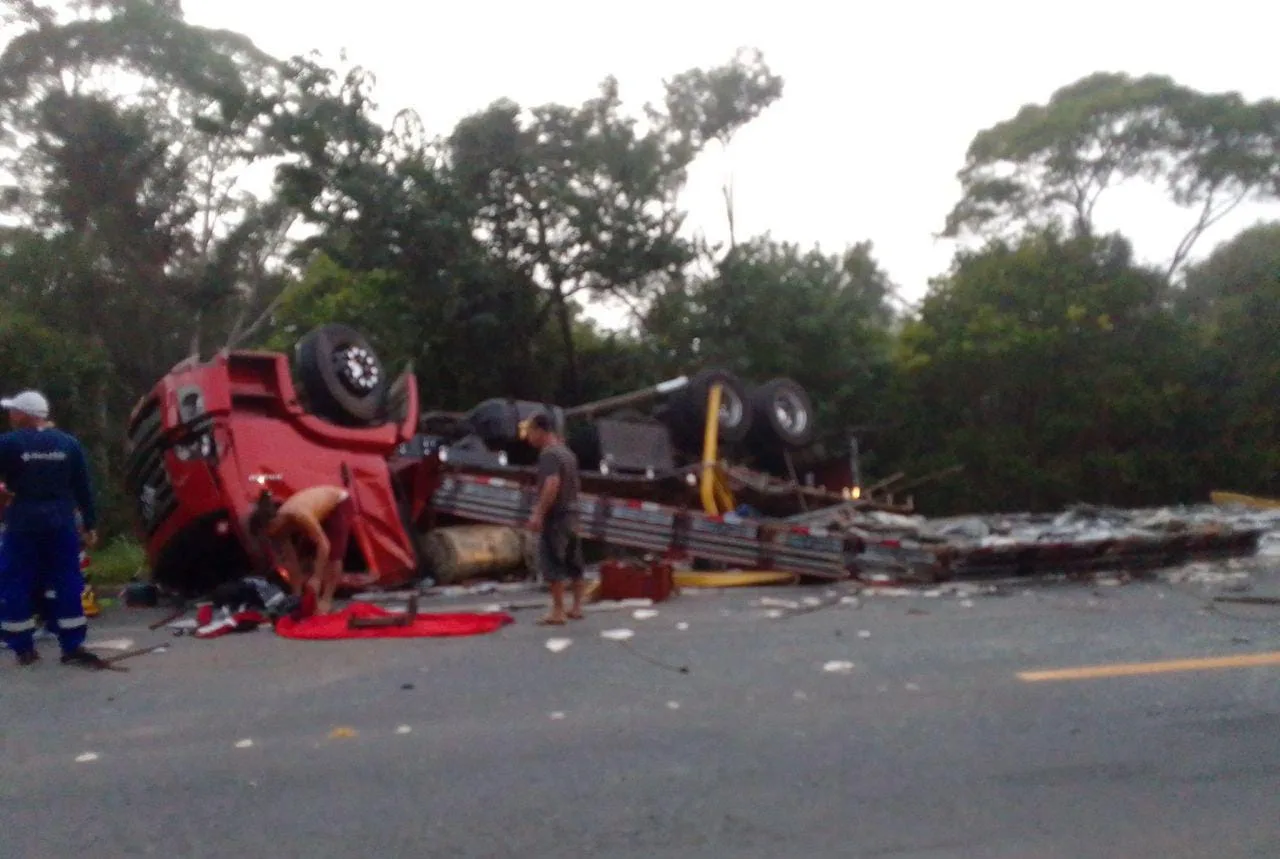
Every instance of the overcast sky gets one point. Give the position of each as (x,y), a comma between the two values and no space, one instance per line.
(880,104)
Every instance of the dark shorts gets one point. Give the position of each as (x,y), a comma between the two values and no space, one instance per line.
(559,552)
(337,527)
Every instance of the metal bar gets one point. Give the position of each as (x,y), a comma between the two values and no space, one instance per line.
(630,399)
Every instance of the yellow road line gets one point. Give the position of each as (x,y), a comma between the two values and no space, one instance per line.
(1246,660)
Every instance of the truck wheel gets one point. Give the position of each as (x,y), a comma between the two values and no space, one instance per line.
(782,414)
(342,377)
(686,414)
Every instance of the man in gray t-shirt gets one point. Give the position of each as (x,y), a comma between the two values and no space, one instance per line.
(555,519)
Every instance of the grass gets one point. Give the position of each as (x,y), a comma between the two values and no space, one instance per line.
(117,562)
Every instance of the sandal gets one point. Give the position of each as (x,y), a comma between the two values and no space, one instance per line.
(550,621)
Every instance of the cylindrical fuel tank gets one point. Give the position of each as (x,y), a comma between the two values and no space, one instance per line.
(462,552)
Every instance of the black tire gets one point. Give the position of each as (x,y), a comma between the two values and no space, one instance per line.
(497,421)
(782,415)
(686,412)
(342,377)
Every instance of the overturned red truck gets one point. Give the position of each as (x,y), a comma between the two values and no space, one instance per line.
(210,435)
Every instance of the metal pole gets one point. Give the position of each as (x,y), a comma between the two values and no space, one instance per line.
(644,395)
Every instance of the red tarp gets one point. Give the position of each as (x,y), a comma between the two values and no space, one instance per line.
(332,626)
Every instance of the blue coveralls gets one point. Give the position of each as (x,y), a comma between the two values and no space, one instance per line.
(47,472)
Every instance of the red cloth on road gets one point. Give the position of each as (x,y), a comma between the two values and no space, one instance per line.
(327,627)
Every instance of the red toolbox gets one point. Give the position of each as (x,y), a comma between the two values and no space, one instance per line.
(626,580)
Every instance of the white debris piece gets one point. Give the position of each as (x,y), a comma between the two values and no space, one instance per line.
(244,744)
(890,592)
(404,729)
(557,715)
(112,644)
(557,645)
(773,613)
(673,705)
(912,687)
(644,613)
(682,626)
(617,634)
(812,601)
(774,602)
(86,758)
(853,601)
(967,603)
(838,666)
(864,633)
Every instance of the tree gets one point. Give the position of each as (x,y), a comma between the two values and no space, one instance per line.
(774,309)
(1050,369)
(582,201)
(1051,163)
(1233,297)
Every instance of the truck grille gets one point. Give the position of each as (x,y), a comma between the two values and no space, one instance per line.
(145,474)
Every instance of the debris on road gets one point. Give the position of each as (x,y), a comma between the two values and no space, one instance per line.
(838,666)
(617,634)
(558,645)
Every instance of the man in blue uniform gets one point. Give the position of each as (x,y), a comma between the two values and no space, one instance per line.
(46,472)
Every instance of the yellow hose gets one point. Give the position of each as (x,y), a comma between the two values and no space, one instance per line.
(733,580)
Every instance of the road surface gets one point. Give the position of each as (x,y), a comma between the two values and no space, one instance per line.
(940,740)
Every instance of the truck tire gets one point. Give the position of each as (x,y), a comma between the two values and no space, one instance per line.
(497,421)
(686,413)
(782,415)
(342,377)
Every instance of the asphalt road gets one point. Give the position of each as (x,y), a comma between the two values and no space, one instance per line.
(930,745)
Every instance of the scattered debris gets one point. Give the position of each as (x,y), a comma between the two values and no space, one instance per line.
(111,644)
(644,613)
(404,729)
(244,744)
(557,715)
(617,634)
(682,626)
(673,705)
(864,633)
(838,666)
(557,645)
(86,758)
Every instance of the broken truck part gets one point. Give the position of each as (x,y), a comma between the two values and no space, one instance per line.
(210,435)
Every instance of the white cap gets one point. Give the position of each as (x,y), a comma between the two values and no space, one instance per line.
(31,403)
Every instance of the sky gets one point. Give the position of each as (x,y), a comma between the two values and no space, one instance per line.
(881,100)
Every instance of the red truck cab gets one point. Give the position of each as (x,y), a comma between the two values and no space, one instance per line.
(211,435)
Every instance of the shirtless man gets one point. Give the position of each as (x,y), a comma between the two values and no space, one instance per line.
(320,518)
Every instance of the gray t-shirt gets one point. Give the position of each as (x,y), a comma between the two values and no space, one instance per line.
(558,459)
